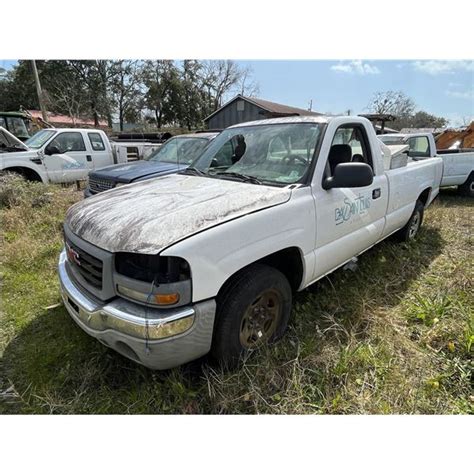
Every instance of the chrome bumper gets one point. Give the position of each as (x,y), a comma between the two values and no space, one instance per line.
(156,338)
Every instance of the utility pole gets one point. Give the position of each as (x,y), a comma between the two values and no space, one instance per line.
(39,91)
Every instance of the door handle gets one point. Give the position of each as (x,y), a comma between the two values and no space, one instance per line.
(376,193)
(88,157)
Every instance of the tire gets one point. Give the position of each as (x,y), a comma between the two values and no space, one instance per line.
(409,232)
(252,309)
(467,189)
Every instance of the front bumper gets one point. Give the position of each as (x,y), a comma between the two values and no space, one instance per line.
(156,338)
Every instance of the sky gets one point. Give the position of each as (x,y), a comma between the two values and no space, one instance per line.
(443,88)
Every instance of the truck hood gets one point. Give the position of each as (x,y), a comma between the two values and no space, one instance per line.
(148,216)
(10,142)
(128,172)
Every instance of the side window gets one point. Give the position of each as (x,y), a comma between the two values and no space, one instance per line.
(350,144)
(96,141)
(3,123)
(419,146)
(69,141)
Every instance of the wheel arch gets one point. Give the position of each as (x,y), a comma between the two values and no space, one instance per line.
(425,196)
(288,261)
(28,173)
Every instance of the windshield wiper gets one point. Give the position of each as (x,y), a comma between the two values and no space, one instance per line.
(193,171)
(244,177)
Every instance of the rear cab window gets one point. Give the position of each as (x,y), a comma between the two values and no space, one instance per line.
(419,147)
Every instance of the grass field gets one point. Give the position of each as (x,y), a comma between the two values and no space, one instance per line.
(394,336)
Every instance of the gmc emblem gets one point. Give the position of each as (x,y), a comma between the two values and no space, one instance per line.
(73,255)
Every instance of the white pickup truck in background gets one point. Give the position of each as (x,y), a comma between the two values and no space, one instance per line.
(164,271)
(57,155)
(64,155)
(458,165)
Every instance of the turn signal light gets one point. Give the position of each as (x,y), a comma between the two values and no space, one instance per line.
(171,298)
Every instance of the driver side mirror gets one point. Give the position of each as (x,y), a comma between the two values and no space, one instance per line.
(52,150)
(350,175)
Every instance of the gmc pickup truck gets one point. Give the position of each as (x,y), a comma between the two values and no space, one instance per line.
(458,169)
(166,270)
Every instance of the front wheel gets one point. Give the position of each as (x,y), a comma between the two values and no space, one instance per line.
(252,310)
(409,232)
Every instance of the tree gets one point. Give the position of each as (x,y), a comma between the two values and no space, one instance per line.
(404,109)
(96,76)
(162,82)
(392,102)
(219,78)
(423,119)
(192,107)
(127,90)
(247,86)
(65,96)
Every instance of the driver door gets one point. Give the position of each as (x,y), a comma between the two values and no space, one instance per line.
(70,164)
(348,220)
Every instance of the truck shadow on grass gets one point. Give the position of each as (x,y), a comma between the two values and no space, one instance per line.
(56,368)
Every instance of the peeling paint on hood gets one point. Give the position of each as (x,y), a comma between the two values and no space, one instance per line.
(148,216)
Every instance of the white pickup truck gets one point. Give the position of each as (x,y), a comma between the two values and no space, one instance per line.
(166,270)
(458,169)
(57,155)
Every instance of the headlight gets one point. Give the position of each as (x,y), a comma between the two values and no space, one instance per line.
(117,185)
(166,299)
(153,280)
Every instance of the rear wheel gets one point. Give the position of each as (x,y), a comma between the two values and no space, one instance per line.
(467,189)
(252,310)
(412,227)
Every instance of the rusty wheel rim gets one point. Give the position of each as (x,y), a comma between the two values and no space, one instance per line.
(260,319)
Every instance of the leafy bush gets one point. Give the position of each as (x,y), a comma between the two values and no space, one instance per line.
(16,190)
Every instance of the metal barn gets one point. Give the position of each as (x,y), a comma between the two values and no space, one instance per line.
(245,109)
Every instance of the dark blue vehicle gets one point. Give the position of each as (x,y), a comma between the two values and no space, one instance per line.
(176,154)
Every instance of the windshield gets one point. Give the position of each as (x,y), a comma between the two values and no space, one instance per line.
(277,153)
(179,150)
(17,126)
(40,138)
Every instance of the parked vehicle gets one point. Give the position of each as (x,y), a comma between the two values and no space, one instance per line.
(177,153)
(458,169)
(166,270)
(58,155)
(17,123)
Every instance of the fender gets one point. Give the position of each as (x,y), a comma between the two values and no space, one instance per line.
(223,250)
(23,162)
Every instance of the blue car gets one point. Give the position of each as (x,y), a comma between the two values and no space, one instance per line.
(176,154)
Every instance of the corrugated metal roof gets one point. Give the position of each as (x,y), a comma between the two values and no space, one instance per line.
(270,107)
(66,119)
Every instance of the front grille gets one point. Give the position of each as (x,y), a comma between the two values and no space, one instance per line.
(89,267)
(97,185)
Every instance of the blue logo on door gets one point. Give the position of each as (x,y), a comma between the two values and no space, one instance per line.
(351,207)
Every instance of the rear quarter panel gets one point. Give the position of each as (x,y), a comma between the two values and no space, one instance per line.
(406,185)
